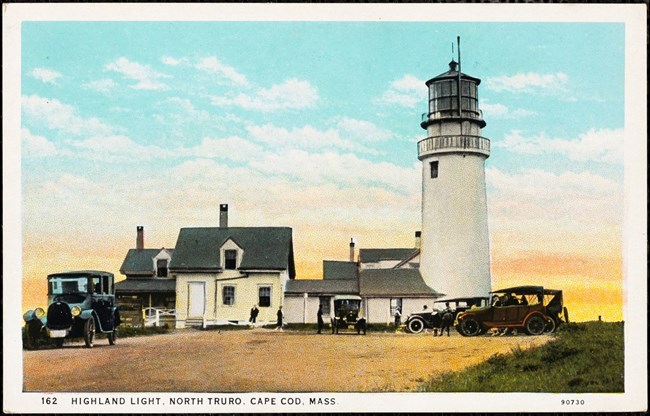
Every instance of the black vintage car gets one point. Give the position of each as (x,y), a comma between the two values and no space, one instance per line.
(417,322)
(81,303)
(347,313)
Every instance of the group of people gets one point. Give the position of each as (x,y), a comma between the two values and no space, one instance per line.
(255,311)
(509,300)
(447,320)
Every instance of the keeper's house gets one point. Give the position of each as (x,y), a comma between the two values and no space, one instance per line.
(221,272)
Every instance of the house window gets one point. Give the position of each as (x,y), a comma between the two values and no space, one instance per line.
(264,296)
(434,169)
(161,266)
(395,304)
(325,304)
(228,294)
(231,259)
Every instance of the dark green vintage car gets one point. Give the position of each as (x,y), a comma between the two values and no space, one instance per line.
(81,303)
(347,312)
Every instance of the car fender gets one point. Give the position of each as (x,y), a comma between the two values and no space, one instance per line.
(531,314)
(31,316)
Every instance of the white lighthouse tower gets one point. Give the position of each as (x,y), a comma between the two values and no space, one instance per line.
(455,252)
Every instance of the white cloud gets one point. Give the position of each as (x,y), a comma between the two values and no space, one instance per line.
(361,130)
(36,146)
(117,148)
(48,76)
(230,148)
(407,91)
(168,60)
(290,95)
(146,76)
(602,145)
(101,85)
(565,199)
(56,115)
(307,137)
(212,65)
(500,111)
(530,82)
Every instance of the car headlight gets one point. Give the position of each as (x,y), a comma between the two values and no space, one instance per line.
(75,311)
(39,313)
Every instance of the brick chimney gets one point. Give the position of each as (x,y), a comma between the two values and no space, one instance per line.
(139,241)
(223,216)
(418,239)
(352,250)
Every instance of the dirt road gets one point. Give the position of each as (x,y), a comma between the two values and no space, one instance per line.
(259,360)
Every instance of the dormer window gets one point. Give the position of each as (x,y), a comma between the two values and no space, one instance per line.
(161,267)
(230,261)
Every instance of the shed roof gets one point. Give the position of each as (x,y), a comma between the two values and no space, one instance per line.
(394,282)
(337,270)
(265,248)
(322,287)
(374,255)
(145,286)
(140,262)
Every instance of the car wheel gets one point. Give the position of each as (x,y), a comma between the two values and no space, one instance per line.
(89,332)
(566,315)
(535,325)
(415,325)
(470,327)
(58,342)
(550,325)
(112,337)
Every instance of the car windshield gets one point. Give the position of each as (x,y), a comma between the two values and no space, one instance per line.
(67,285)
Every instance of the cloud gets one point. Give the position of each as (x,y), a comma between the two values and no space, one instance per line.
(307,137)
(168,60)
(292,94)
(117,148)
(212,65)
(602,145)
(146,77)
(407,91)
(46,75)
(101,85)
(230,148)
(56,115)
(500,111)
(36,146)
(361,130)
(530,82)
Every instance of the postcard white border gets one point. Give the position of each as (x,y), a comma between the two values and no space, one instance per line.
(635,222)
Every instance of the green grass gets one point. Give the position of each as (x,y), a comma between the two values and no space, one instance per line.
(582,358)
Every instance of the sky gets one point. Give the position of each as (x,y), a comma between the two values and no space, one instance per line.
(314,126)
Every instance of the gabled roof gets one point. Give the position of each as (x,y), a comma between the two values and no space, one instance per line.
(394,282)
(145,286)
(337,270)
(265,248)
(374,255)
(322,287)
(140,262)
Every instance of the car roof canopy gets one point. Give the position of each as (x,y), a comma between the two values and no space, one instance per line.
(474,298)
(347,297)
(81,273)
(521,290)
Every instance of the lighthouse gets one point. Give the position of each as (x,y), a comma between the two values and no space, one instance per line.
(455,252)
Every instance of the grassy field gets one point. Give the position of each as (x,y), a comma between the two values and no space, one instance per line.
(583,358)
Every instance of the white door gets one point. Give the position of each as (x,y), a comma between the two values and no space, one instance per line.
(196,299)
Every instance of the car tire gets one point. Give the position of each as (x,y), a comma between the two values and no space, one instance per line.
(89,332)
(551,325)
(112,337)
(415,325)
(469,327)
(58,342)
(566,315)
(535,325)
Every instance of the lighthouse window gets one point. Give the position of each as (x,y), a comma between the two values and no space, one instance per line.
(434,169)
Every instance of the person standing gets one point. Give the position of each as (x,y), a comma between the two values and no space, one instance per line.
(254,313)
(447,317)
(280,316)
(319,315)
(398,319)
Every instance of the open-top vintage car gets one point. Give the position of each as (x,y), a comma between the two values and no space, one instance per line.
(417,322)
(81,303)
(347,312)
(532,308)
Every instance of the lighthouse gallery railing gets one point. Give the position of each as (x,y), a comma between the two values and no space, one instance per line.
(454,143)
